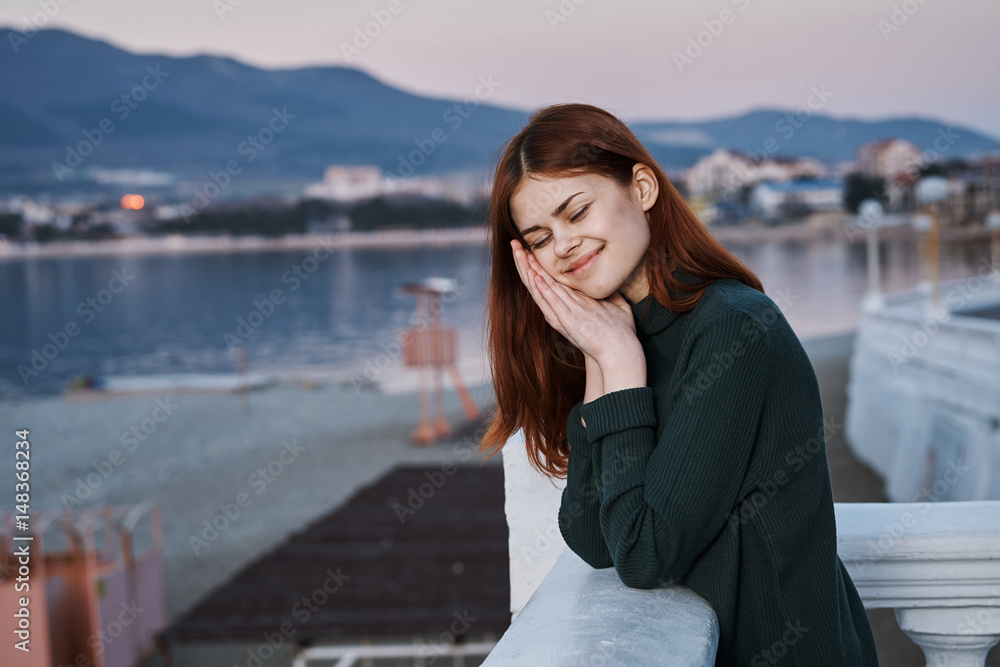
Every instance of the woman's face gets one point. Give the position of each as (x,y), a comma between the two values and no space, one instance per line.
(565,220)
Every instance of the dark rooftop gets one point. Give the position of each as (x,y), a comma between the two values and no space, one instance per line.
(382,575)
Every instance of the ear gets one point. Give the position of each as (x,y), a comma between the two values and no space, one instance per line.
(647,187)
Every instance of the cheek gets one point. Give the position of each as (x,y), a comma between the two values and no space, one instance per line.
(549,267)
(559,278)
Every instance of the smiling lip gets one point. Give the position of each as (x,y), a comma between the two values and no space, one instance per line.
(587,262)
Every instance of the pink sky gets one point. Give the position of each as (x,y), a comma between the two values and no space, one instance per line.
(878,58)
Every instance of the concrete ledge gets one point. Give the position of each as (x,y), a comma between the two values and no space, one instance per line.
(581,616)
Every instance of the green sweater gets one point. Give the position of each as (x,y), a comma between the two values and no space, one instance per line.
(715,475)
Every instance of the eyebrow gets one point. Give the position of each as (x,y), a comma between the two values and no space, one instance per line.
(555,213)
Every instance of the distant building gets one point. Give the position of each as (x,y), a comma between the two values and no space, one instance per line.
(845,167)
(123,222)
(770,200)
(59,214)
(888,158)
(346,183)
(723,172)
(719,173)
(720,213)
(788,169)
(37,213)
(351,183)
(415,185)
(168,212)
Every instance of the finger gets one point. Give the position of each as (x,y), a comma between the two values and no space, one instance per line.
(519,262)
(531,282)
(558,290)
(564,308)
(534,278)
(541,292)
(546,279)
(523,260)
(575,310)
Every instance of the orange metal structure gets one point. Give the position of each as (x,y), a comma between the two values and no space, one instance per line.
(433,348)
(90,604)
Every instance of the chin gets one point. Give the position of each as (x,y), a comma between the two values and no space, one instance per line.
(592,292)
(598,294)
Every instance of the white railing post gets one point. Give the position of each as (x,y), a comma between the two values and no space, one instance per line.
(936,564)
(952,636)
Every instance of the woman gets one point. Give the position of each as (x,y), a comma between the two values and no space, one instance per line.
(645,364)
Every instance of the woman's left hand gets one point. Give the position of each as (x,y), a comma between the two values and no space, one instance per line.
(598,327)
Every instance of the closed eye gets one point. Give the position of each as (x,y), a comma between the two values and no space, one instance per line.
(579,214)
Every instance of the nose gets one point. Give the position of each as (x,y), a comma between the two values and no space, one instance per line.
(564,241)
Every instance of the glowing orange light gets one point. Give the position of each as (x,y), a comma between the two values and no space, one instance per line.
(133,202)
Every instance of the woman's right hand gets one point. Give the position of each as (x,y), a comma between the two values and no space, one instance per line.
(527,274)
(595,382)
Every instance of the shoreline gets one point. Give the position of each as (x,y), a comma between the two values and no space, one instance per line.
(181,244)
(476,235)
(401,381)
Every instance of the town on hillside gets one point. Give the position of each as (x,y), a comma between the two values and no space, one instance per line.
(725,188)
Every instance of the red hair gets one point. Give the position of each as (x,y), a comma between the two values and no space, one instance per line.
(537,375)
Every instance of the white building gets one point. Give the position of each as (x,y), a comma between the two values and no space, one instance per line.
(351,183)
(888,158)
(788,169)
(767,198)
(724,172)
(46,212)
(719,173)
(347,182)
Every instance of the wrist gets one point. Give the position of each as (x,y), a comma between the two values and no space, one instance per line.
(595,380)
(623,369)
(629,353)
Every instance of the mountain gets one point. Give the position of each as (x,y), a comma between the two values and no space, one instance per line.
(804,133)
(194,114)
(66,94)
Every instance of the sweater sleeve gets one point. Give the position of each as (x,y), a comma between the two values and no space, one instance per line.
(579,509)
(663,502)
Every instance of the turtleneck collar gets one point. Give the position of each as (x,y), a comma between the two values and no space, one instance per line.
(658,317)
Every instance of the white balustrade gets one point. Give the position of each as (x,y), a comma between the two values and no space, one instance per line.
(937,564)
